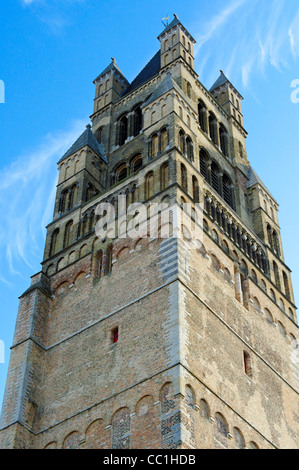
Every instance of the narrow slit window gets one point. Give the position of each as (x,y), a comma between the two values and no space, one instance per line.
(114,335)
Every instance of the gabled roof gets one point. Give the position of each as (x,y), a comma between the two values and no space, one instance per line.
(220,81)
(253,179)
(173,23)
(165,85)
(111,66)
(87,138)
(150,70)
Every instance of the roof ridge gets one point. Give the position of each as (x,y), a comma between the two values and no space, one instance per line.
(152,67)
(86,138)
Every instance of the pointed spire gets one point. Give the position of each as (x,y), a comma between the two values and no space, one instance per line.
(111,66)
(173,23)
(86,138)
(220,81)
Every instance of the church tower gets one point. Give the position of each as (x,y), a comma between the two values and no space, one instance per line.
(142,342)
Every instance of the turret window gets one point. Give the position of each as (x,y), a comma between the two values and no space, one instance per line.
(54,242)
(149,185)
(184,178)
(223,140)
(202,116)
(68,234)
(164,176)
(247,364)
(213,128)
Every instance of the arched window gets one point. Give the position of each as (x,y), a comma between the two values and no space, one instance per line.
(215,177)
(182,141)
(184,181)
(276,275)
(227,190)
(204,409)
(68,234)
(73,195)
(98,264)
(123,130)
(223,135)
(286,285)
(239,439)
(247,364)
(215,236)
(269,234)
(121,429)
(54,242)
(225,246)
(256,305)
(272,295)
(263,285)
(241,152)
(164,175)
(189,89)
(64,202)
(109,259)
(291,314)
(253,445)
(195,189)
(149,185)
(164,139)
(282,305)
(221,430)
(203,160)
(213,128)
(282,329)
(137,121)
(189,148)
(215,262)
(99,134)
(155,145)
(269,316)
(136,163)
(202,115)
(121,172)
(275,239)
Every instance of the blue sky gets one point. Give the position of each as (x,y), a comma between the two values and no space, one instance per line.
(50,53)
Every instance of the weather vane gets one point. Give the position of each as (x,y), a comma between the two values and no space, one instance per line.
(166,19)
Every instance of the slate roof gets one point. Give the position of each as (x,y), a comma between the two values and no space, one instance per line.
(173,23)
(111,66)
(150,70)
(220,81)
(165,85)
(253,179)
(87,138)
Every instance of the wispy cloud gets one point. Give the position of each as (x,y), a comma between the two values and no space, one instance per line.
(55,14)
(27,193)
(247,37)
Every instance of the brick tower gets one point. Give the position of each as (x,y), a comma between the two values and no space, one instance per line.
(139,343)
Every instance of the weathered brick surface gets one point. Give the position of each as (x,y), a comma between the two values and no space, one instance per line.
(186,317)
